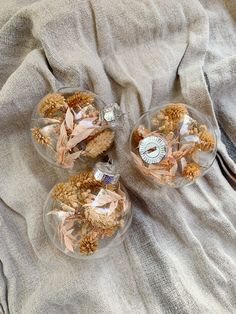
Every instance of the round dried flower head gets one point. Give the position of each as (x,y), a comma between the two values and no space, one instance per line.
(191,171)
(40,138)
(65,193)
(101,143)
(80,100)
(100,220)
(207,141)
(89,244)
(51,105)
(175,112)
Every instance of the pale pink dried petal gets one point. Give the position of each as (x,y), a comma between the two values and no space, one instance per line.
(68,244)
(69,119)
(63,138)
(113,205)
(174,169)
(79,138)
(61,155)
(88,122)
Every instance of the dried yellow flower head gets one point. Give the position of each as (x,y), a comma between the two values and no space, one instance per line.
(100,220)
(89,244)
(39,137)
(65,193)
(191,171)
(51,105)
(207,141)
(84,180)
(175,112)
(80,100)
(101,143)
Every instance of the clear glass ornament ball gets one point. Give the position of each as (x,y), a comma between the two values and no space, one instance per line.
(70,128)
(87,221)
(173,144)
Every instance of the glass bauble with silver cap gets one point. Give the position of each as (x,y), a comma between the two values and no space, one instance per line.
(173,144)
(73,128)
(89,214)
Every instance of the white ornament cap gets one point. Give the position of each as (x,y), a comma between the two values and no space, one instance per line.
(152,149)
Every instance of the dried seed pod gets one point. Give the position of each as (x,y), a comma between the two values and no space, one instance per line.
(101,143)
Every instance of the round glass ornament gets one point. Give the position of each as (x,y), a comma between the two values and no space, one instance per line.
(173,144)
(72,128)
(89,214)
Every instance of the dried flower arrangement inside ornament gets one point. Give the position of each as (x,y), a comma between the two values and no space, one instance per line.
(88,214)
(173,144)
(73,125)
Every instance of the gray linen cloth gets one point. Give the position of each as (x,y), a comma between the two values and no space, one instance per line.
(180,253)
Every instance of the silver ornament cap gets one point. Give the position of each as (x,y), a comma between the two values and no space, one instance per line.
(152,149)
(105,172)
(112,113)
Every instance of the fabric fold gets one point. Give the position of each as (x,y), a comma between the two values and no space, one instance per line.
(179,256)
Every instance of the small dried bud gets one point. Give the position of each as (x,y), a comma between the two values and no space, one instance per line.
(40,138)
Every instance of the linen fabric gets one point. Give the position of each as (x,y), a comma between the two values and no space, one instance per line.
(179,255)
